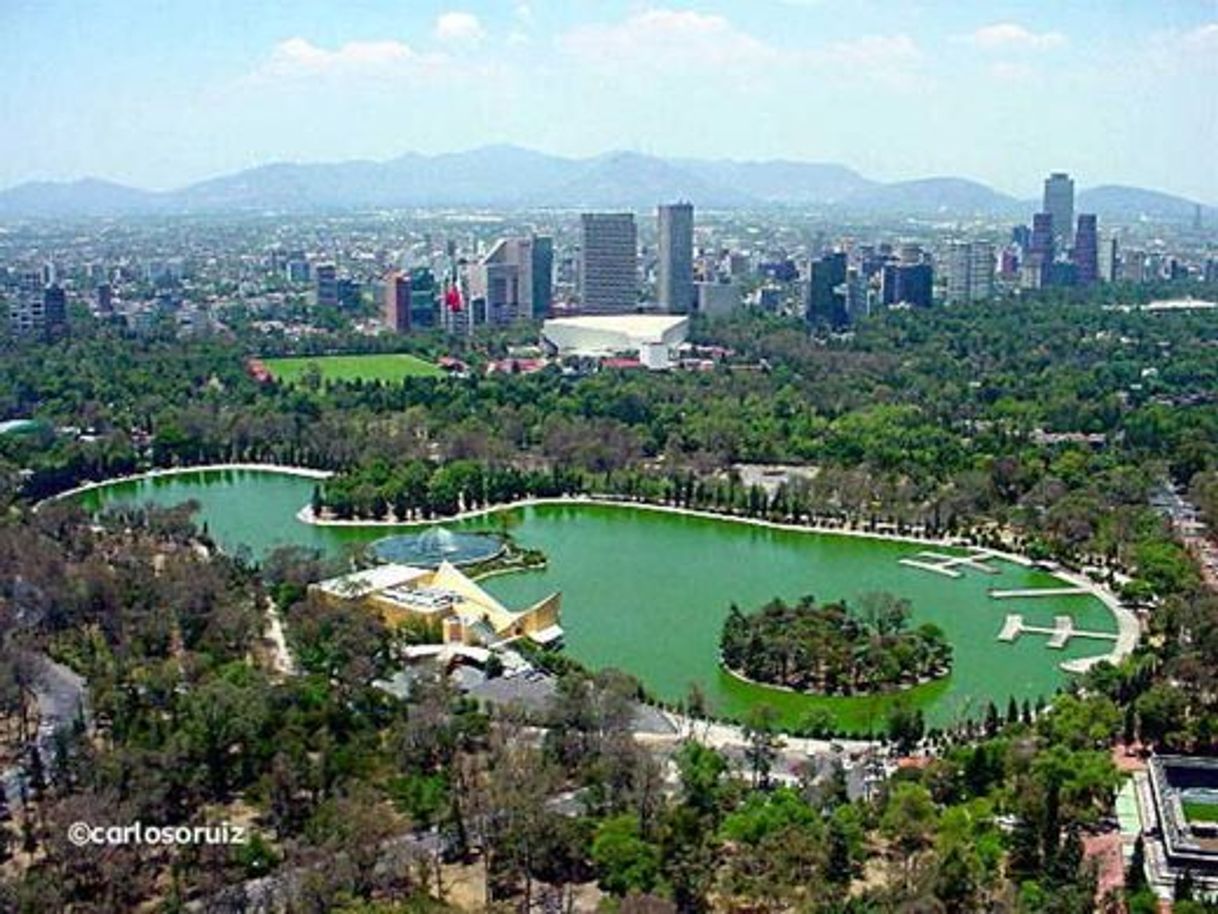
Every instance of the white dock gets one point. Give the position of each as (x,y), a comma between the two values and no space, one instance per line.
(1038,592)
(1059,635)
(950,565)
(931,566)
(1011,627)
(975,561)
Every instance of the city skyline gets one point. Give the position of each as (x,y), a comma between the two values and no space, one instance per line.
(1003,96)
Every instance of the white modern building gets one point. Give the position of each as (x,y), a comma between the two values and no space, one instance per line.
(651,338)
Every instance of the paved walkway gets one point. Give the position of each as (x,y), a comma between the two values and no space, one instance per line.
(1038,592)
(1129,629)
(307,472)
(281,657)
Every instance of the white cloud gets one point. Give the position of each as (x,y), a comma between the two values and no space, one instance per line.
(299,57)
(1008,72)
(886,51)
(1174,51)
(459,27)
(660,40)
(894,62)
(1007,36)
(1203,39)
(659,37)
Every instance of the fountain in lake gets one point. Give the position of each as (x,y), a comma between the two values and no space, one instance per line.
(435,545)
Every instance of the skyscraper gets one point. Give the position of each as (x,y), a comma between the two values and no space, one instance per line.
(396,312)
(1109,257)
(907,283)
(327,285)
(1041,249)
(423,302)
(543,276)
(970,271)
(1086,250)
(54,308)
(675,286)
(496,281)
(826,304)
(105,299)
(350,293)
(1059,203)
(515,279)
(608,263)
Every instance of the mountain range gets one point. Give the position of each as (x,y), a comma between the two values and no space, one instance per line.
(503,176)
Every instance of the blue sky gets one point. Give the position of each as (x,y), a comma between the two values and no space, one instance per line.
(158,94)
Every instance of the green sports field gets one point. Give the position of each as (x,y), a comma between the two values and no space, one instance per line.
(1200,812)
(369,367)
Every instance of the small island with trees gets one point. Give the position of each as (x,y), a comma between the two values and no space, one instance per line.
(832,649)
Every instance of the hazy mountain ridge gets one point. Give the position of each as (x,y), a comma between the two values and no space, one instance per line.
(513,176)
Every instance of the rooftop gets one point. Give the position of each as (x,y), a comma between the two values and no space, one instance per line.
(635,325)
(371,580)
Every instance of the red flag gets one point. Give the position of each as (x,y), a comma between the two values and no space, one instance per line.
(452,298)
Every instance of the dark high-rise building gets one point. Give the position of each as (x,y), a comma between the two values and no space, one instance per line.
(349,293)
(326,276)
(1061,273)
(1041,250)
(907,283)
(1059,203)
(424,303)
(1042,239)
(675,283)
(826,303)
(396,310)
(608,263)
(296,267)
(54,308)
(543,276)
(1022,236)
(105,299)
(1086,250)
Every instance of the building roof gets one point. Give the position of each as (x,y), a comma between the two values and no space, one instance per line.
(441,592)
(362,583)
(548,635)
(638,326)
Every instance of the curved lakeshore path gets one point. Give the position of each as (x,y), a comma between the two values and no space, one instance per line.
(284,469)
(645,587)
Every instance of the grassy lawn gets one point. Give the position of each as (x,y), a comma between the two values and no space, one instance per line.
(1201,812)
(369,367)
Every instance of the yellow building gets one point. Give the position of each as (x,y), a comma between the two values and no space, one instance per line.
(466,613)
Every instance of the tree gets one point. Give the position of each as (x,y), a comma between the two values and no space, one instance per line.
(956,879)
(906,727)
(624,861)
(701,770)
(908,821)
(760,732)
(845,844)
(1161,713)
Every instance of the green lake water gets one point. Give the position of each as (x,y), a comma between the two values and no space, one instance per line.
(647,591)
